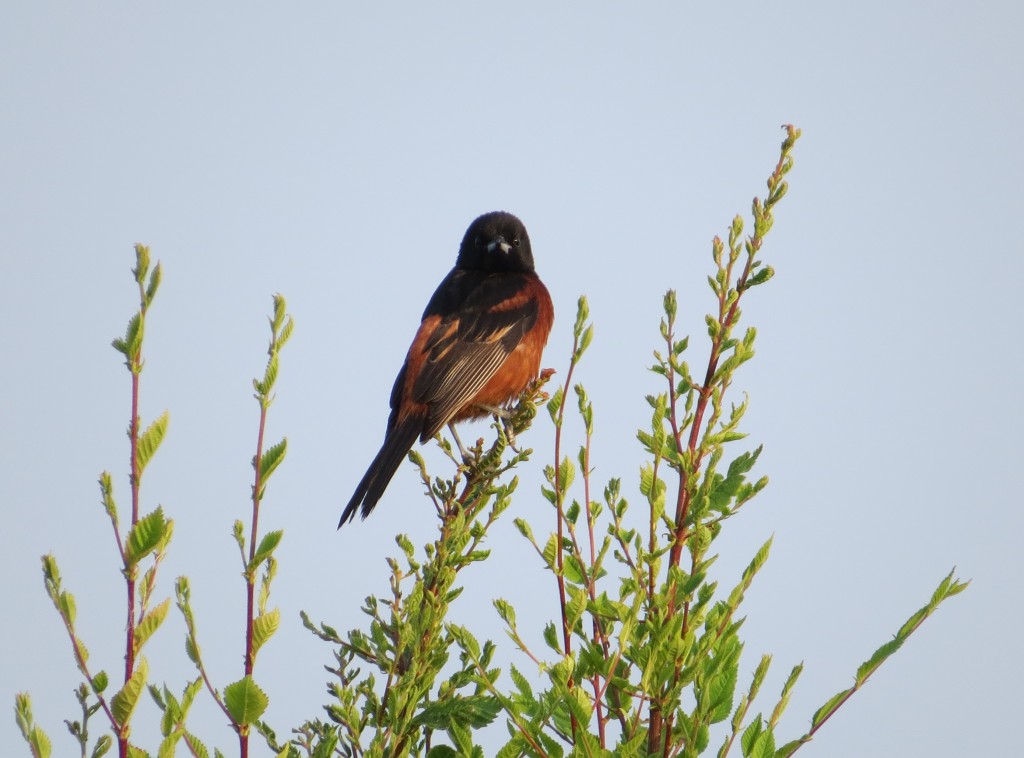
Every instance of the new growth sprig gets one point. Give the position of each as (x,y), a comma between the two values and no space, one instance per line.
(244,701)
(397,710)
(143,542)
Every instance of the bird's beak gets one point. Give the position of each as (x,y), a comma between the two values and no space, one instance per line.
(498,241)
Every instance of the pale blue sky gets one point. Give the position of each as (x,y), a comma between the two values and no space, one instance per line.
(336,152)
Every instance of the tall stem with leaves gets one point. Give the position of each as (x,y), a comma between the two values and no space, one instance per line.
(145,536)
(243,701)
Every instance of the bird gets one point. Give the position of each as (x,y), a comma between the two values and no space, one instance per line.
(478,346)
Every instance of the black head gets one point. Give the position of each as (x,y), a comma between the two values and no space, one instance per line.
(496,242)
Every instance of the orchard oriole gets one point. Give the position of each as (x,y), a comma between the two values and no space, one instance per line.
(478,346)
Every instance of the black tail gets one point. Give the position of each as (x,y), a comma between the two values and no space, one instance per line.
(397,444)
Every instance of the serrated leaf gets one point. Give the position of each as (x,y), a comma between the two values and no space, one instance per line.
(721,692)
(145,536)
(150,623)
(566,474)
(103,744)
(245,701)
(196,746)
(555,403)
(168,745)
(141,262)
(787,690)
(286,332)
(150,441)
(124,702)
(506,612)
(750,735)
(551,637)
(877,659)
(263,628)
(475,711)
(325,748)
(585,339)
(126,344)
(99,682)
(192,649)
(270,375)
(66,605)
(764,746)
(82,651)
(525,691)
(272,458)
(266,548)
(791,747)
(574,570)
(829,708)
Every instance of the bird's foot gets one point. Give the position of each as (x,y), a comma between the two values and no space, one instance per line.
(462,451)
(495,410)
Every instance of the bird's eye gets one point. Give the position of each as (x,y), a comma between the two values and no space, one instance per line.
(515,242)
(477,240)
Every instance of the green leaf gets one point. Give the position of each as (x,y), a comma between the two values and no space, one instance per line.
(150,623)
(555,404)
(67,607)
(99,682)
(128,346)
(522,685)
(764,746)
(505,611)
(750,735)
(38,741)
(238,532)
(141,262)
(103,744)
(791,747)
(877,658)
(576,606)
(144,537)
(154,284)
(787,690)
(721,692)
(267,546)
(566,474)
(269,376)
(196,746)
(150,441)
(573,570)
(245,701)
(286,332)
(263,628)
(585,339)
(124,702)
(551,637)
(475,711)
(829,708)
(168,745)
(760,277)
(272,458)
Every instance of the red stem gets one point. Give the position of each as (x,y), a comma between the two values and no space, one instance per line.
(129,644)
(250,578)
(250,574)
(560,516)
